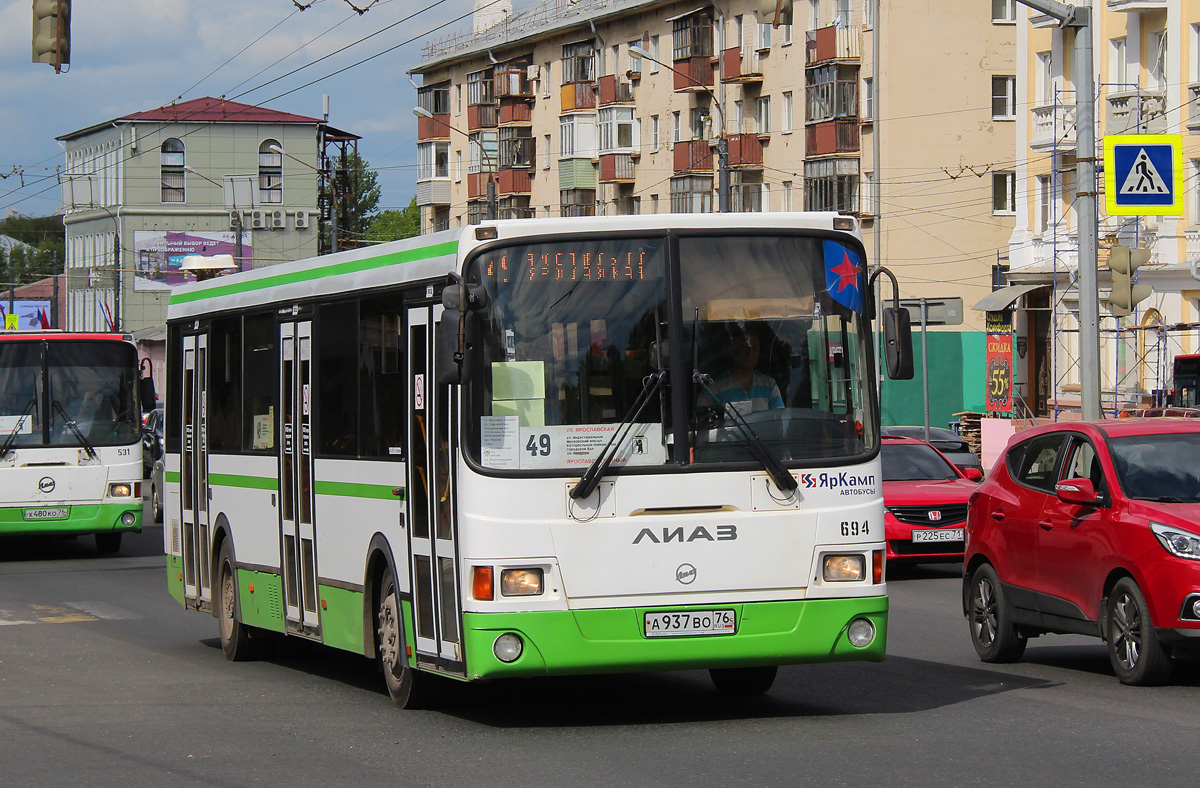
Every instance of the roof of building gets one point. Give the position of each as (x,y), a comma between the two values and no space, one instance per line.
(203,110)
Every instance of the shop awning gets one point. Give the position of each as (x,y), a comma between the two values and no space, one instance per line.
(1004,297)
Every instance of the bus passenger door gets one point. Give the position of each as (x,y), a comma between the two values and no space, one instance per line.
(435,587)
(193,487)
(298,535)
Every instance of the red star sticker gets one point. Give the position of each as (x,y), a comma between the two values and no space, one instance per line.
(847,273)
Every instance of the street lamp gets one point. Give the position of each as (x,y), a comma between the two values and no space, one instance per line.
(421,112)
(723,197)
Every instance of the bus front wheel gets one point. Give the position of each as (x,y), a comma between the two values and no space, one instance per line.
(408,688)
(743,681)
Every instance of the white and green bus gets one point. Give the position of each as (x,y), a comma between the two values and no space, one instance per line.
(538,447)
(71,435)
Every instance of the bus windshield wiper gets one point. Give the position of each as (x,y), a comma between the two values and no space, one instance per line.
(70,422)
(587,484)
(12,435)
(783,480)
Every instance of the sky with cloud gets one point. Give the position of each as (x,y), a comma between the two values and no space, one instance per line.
(134,55)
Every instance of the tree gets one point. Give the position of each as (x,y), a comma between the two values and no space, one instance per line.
(392,225)
(352,192)
(46,239)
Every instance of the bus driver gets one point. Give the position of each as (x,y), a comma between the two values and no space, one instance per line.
(741,384)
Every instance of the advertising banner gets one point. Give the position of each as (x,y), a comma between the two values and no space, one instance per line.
(26,314)
(158,255)
(999,366)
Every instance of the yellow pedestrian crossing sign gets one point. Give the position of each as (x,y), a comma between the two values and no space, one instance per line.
(1143,174)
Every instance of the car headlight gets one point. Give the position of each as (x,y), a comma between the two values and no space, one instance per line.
(1177,541)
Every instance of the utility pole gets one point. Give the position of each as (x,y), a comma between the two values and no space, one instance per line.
(1079,19)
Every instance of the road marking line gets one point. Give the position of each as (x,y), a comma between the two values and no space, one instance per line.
(103,610)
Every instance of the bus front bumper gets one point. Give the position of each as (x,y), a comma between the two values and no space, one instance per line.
(612,640)
(72,520)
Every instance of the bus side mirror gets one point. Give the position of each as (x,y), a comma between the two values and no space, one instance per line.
(450,356)
(146,394)
(897,343)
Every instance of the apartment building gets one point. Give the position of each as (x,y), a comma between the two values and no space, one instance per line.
(206,176)
(622,106)
(1147,69)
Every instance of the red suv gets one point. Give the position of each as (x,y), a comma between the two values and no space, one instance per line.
(925,499)
(1090,528)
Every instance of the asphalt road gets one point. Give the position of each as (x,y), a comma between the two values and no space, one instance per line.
(105,680)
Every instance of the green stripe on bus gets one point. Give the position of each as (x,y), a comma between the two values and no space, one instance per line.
(173,476)
(337,269)
(357,490)
(248,482)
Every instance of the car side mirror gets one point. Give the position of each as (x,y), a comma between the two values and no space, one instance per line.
(1077,491)
(974,474)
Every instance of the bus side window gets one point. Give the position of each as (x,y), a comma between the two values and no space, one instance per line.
(336,375)
(260,362)
(382,388)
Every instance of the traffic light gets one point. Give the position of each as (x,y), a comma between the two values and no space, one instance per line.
(52,33)
(1123,262)
(775,12)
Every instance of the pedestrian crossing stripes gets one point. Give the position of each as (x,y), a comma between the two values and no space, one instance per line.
(66,613)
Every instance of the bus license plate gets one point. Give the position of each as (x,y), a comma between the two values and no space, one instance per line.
(46,514)
(690,622)
(938,535)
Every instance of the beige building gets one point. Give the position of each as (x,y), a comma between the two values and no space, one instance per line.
(1147,67)
(549,104)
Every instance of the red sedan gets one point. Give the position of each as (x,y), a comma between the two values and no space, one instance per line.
(925,496)
(1090,528)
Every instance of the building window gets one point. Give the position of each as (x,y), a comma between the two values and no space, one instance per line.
(546,152)
(635,63)
(576,136)
(654,54)
(692,36)
(654,133)
(870,195)
(831,185)
(842,19)
(763,112)
(435,99)
(1004,192)
(787,111)
(677,132)
(433,160)
(578,202)
(617,129)
(1045,78)
(516,147)
(764,36)
(787,196)
(1004,11)
(700,121)
(481,88)
(785,34)
(1045,192)
(1156,66)
(484,152)
(476,211)
(578,63)
(458,166)
(691,194)
(546,77)
(830,92)
(270,172)
(1118,62)
(1004,98)
(868,98)
(815,16)
(739,117)
(171,170)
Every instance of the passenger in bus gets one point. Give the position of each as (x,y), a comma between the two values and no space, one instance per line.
(741,384)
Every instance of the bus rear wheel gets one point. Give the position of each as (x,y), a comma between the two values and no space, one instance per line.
(408,688)
(108,543)
(743,681)
(237,639)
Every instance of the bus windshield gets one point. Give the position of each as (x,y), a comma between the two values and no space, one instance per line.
(68,393)
(774,350)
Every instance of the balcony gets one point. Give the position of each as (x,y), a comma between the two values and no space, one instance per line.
(482,116)
(433,192)
(1136,112)
(515,110)
(745,151)
(1135,6)
(477,183)
(513,81)
(833,43)
(693,75)
(615,91)
(578,95)
(617,168)
(513,182)
(831,136)
(693,156)
(435,128)
(1053,127)
(739,67)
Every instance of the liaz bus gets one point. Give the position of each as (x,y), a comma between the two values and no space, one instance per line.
(70,435)
(538,447)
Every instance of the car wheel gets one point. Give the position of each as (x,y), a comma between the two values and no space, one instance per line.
(743,681)
(407,687)
(237,640)
(992,632)
(1133,648)
(156,503)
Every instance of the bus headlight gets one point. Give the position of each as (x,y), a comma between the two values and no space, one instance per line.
(521,582)
(861,632)
(843,568)
(508,647)
(120,490)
